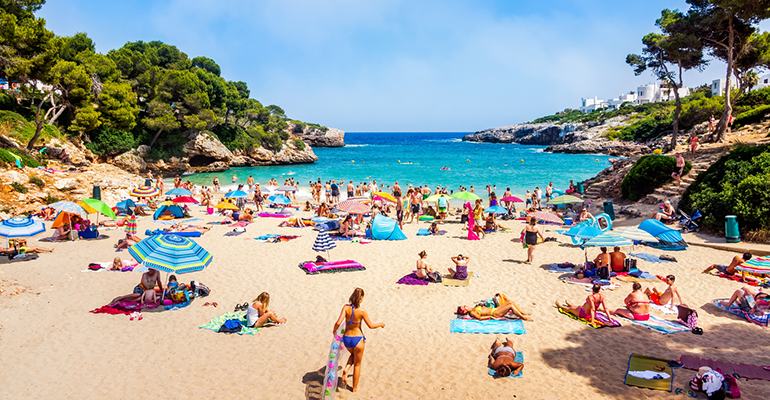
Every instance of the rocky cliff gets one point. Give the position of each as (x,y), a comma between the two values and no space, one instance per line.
(316,137)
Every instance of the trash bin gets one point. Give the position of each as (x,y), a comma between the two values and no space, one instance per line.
(732,233)
(97,194)
(580,187)
(148,182)
(609,209)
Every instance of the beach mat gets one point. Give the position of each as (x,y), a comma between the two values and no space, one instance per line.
(217,322)
(426,232)
(458,325)
(638,362)
(448,281)
(519,359)
(747,371)
(760,320)
(631,279)
(607,323)
(412,279)
(660,325)
(648,257)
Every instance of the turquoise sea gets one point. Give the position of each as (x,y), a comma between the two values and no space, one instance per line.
(385,156)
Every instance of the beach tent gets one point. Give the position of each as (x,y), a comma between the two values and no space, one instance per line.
(174,209)
(670,239)
(125,205)
(384,228)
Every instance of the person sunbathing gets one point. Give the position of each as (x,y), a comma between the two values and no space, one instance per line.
(258,313)
(148,290)
(637,305)
(118,264)
(501,358)
(588,310)
(22,247)
(603,259)
(433,228)
(746,296)
(484,313)
(247,216)
(730,269)
(667,297)
(424,271)
(139,210)
(179,227)
(129,241)
(323,211)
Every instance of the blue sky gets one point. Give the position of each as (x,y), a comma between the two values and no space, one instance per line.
(379,65)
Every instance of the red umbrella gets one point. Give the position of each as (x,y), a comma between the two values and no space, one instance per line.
(512,199)
(184,199)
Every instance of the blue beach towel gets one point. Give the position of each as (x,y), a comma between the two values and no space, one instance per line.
(423,232)
(519,359)
(266,237)
(489,326)
(648,257)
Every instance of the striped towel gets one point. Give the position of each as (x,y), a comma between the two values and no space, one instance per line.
(660,325)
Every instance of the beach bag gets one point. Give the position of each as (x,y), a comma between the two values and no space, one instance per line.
(629,264)
(687,316)
(200,289)
(696,383)
(603,272)
(731,387)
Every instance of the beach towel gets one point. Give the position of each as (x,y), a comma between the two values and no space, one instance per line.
(459,325)
(311,267)
(589,283)
(631,279)
(26,257)
(605,322)
(760,320)
(412,279)
(218,321)
(265,238)
(172,222)
(648,257)
(747,371)
(106,266)
(660,325)
(423,232)
(448,281)
(560,269)
(519,359)
(649,372)
(127,307)
(665,309)
(749,280)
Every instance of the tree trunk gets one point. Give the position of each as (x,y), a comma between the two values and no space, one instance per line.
(722,127)
(38,123)
(57,115)
(677,110)
(154,138)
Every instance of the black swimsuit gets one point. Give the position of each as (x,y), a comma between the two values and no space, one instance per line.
(530,238)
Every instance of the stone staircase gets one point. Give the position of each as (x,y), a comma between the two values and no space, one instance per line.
(673,192)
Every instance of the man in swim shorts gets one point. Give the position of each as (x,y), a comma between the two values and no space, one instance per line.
(730,269)
(667,297)
(414,202)
(351,189)
(400,211)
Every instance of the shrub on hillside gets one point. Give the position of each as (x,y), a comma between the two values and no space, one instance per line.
(752,116)
(36,181)
(737,184)
(699,108)
(300,145)
(26,159)
(110,142)
(18,187)
(648,174)
(754,98)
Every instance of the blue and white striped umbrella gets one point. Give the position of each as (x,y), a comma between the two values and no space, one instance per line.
(236,193)
(179,192)
(324,243)
(633,233)
(279,199)
(171,253)
(608,240)
(21,227)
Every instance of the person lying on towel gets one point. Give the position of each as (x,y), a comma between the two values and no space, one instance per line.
(588,310)
(501,359)
(484,313)
(730,269)
(746,298)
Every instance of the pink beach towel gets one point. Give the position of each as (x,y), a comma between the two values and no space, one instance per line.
(744,370)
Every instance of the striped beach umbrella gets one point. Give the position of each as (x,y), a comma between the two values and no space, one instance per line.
(130,225)
(324,243)
(171,253)
(353,207)
(633,233)
(608,240)
(565,199)
(360,199)
(544,216)
(757,265)
(70,208)
(20,227)
(179,192)
(235,194)
(145,191)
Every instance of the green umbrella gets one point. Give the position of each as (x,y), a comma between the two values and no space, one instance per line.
(565,199)
(97,206)
(465,196)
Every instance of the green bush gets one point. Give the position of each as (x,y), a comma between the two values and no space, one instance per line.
(752,116)
(737,184)
(754,98)
(18,187)
(50,199)
(272,142)
(26,159)
(37,181)
(110,142)
(699,108)
(299,144)
(649,127)
(234,137)
(648,174)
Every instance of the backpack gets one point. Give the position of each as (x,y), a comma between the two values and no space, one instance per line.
(603,272)
(629,264)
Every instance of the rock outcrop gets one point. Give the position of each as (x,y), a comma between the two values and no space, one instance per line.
(289,154)
(536,134)
(203,149)
(600,146)
(331,137)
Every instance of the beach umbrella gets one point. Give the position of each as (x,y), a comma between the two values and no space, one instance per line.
(496,210)
(70,208)
(544,216)
(171,254)
(94,206)
(20,227)
(353,207)
(633,233)
(364,200)
(465,196)
(757,265)
(384,196)
(145,191)
(236,193)
(435,197)
(583,232)
(286,188)
(608,239)
(565,199)
(184,199)
(324,243)
(130,225)
(226,206)
(179,192)
(512,199)
(279,199)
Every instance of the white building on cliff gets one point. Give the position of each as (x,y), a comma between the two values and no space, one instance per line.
(650,93)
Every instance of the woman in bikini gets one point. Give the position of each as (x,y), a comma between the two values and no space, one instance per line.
(484,313)
(637,305)
(258,313)
(501,359)
(353,338)
(589,309)
(424,271)
(531,232)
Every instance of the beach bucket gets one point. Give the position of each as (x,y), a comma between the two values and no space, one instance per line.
(210,210)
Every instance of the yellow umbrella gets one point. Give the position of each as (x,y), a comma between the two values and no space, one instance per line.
(385,196)
(226,206)
(435,197)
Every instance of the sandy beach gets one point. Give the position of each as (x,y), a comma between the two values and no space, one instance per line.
(51,347)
